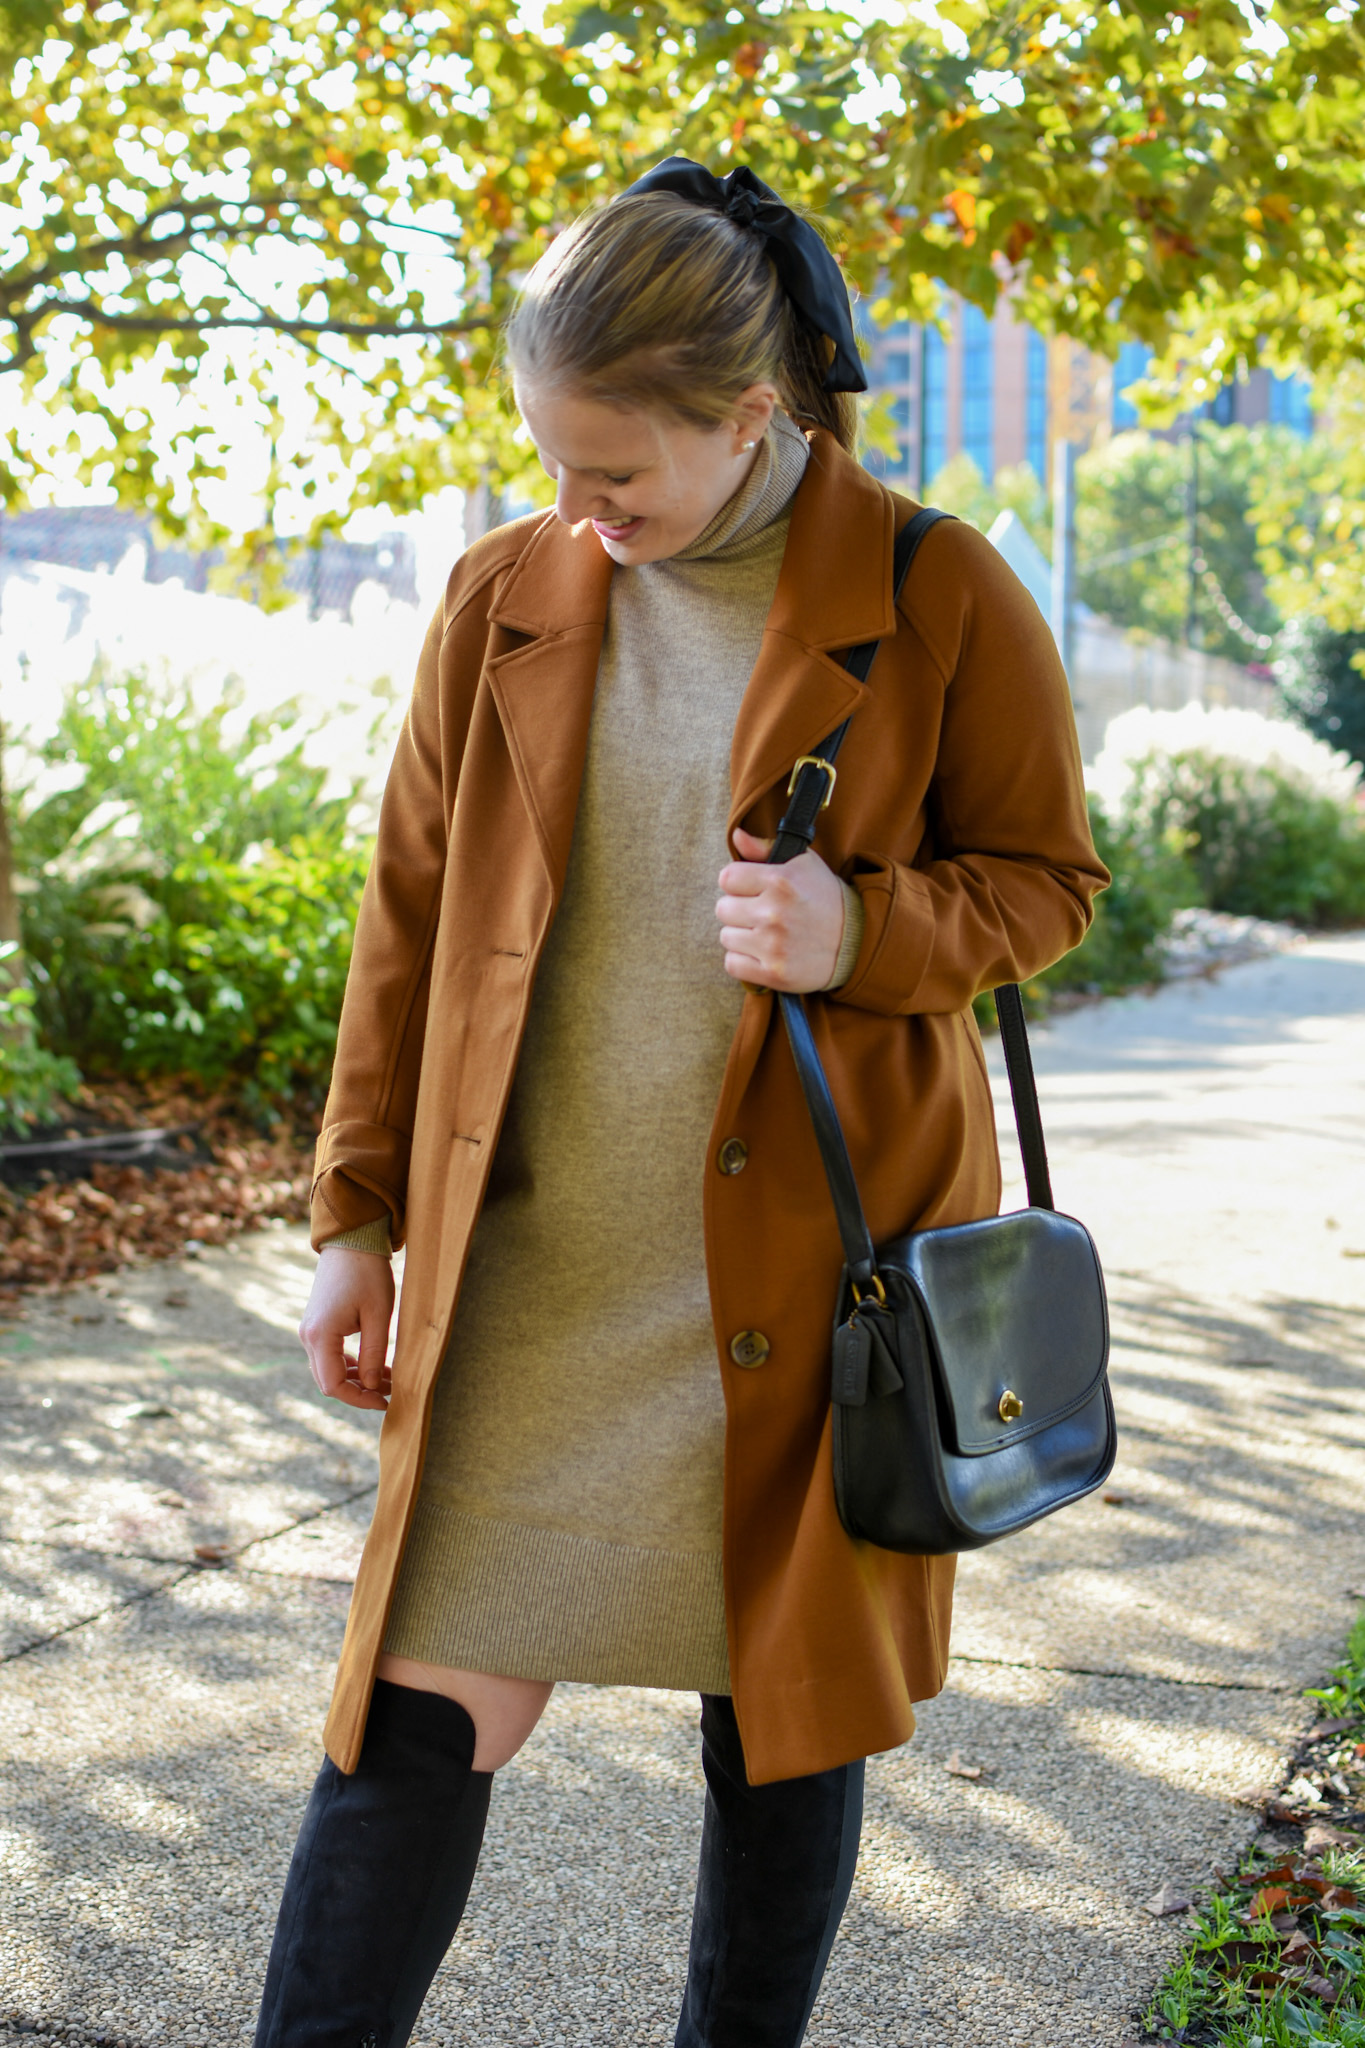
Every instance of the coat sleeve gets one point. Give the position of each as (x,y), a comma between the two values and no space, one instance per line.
(1011,871)
(361,1168)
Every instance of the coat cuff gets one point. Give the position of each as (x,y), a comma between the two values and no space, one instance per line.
(360,1176)
(897,939)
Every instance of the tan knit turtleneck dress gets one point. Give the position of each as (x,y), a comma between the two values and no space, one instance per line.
(569,1522)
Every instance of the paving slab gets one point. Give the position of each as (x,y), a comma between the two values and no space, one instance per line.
(1121,1672)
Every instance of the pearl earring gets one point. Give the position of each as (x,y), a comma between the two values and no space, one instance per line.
(748,444)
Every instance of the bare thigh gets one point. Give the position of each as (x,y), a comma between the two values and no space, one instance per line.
(503,1710)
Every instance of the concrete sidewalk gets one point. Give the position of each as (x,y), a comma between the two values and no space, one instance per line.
(1120,1672)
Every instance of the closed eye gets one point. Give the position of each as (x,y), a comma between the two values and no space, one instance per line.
(616,479)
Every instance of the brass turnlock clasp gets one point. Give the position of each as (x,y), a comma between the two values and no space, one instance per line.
(1011,1407)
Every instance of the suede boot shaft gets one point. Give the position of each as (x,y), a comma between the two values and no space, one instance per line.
(378,1881)
(777,1864)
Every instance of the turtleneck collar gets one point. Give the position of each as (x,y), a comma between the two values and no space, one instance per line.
(762,498)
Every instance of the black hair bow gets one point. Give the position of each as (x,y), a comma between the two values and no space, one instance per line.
(808,273)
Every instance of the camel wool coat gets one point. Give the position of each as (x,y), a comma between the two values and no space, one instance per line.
(959,815)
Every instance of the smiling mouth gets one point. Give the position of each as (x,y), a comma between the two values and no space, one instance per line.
(615,528)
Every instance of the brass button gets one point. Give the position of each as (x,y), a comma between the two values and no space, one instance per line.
(749,1348)
(733,1156)
(1011,1407)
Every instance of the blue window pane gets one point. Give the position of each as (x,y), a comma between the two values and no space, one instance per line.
(978,393)
(1134,357)
(894,366)
(1291,404)
(1035,404)
(935,373)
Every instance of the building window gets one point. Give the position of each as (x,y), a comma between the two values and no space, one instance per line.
(1134,357)
(978,410)
(1035,407)
(935,403)
(1291,404)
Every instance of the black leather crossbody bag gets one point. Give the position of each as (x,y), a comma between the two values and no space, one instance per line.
(969,1379)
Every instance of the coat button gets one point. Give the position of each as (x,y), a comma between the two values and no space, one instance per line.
(749,1348)
(733,1156)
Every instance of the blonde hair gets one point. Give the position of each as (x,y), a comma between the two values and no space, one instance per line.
(656,303)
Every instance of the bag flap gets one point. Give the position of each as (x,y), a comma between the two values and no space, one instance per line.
(1014,1307)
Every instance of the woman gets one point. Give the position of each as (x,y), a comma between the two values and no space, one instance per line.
(560,1080)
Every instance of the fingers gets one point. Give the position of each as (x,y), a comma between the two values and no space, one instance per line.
(746,876)
(372,1369)
(352,1291)
(780,927)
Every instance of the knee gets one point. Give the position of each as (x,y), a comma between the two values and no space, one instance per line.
(504,1710)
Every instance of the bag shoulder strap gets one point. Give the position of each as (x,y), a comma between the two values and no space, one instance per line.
(813,778)
(810,790)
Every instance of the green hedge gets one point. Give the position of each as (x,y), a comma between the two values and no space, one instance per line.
(189,901)
(189,894)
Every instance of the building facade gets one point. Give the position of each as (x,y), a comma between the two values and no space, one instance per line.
(997,391)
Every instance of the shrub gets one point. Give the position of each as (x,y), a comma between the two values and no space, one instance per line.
(1269,817)
(1321,683)
(190,893)
(35,1085)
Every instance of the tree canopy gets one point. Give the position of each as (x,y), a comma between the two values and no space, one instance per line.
(314,214)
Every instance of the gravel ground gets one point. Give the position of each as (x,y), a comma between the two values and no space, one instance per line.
(1121,1672)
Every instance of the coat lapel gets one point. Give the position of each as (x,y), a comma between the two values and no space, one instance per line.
(834,590)
(555,605)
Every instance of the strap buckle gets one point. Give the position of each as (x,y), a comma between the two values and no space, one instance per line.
(816,761)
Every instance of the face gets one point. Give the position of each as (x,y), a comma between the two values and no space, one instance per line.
(648,483)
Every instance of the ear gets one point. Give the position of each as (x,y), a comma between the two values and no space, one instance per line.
(753,410)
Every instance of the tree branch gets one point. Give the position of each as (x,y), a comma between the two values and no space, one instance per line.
(151,323)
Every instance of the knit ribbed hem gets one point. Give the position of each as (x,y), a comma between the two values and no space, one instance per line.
(525,1602)
(366,1237)
(850,945)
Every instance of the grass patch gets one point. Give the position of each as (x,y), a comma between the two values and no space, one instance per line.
(1276,1956)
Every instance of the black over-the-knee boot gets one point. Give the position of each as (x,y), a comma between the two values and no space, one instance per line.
(379,1879)
(777,1866)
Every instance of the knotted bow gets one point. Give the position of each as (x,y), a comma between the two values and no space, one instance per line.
(807,272)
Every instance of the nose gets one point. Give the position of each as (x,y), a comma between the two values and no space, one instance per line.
(575,499)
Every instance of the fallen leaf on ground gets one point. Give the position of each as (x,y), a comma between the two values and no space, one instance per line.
(144,1411)
(1254,1795)
(1170,1899)
(212,1553)
(957,1769)
(70,1230)
(1116,1500)
(1320,1837)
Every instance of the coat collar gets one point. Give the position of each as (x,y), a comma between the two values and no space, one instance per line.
(833,591)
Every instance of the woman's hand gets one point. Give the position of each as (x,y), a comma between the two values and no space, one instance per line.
(780,926)
(352,1291)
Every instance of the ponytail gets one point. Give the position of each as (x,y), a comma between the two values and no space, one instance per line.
(654,303)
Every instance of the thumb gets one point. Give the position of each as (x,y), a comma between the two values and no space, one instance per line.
(749,847)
